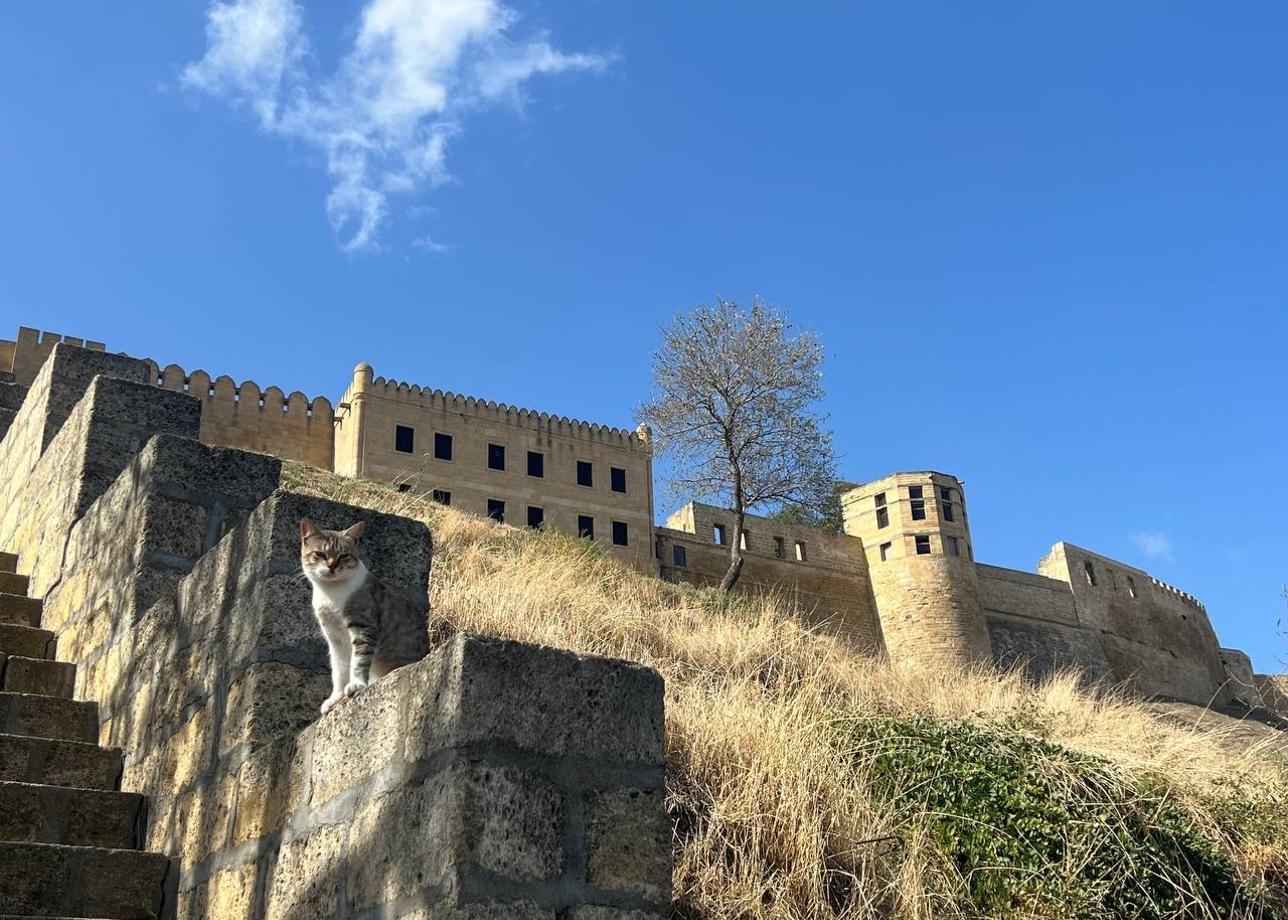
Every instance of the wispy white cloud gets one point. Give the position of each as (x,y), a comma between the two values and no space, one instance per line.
(1155,544)
(429,244)
(385,117)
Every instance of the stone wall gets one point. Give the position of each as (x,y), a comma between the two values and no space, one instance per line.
(1273,691)
(243,415)
(75,432)
(492,779)
(366,446)
(25,353)
(829,585)
(1242,682)
(1033,623)
(1156,639)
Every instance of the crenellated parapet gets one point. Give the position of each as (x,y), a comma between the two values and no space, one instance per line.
(245,415)
(1183,596)
(22,356)
(431,399)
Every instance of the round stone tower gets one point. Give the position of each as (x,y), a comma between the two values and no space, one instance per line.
(922,566)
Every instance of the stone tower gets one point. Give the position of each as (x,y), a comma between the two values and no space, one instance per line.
(918,546)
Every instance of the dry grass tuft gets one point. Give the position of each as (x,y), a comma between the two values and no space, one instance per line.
(774,820)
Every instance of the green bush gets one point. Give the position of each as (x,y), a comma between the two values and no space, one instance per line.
(1036,830)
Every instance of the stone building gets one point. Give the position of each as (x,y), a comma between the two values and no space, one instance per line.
(902,579)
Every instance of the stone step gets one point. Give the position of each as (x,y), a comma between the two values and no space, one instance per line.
(50,880)
(12,583)
(48,717)
(37,675)
(24,759)
(26,641)
(8,562)
(19,611)
(76,817)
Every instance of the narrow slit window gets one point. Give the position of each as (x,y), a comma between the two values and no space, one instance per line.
(885,551)
(496,510)
(442,496)
(617,478)
(585,473)
(442,446)
(1089,571)
(496,456)
(679,556)
(536,516)
(404,439)
(946,504)
(619,533)
(801,555)
(536,464)
(742,541)
(780,547)
(719,534)
(1131,586)
(923,545)
(950,544)
(586,526)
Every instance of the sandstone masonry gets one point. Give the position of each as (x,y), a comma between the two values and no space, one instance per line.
(902,580)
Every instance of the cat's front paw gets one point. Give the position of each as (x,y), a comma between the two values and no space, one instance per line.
(353,687)
(330,702)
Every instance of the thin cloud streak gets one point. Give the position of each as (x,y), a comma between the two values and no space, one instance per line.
(385,118)
(1155,544)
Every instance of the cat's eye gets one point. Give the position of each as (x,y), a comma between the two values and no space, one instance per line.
(344,557)
(317,557)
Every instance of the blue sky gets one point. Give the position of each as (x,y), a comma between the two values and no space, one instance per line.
(1045,247)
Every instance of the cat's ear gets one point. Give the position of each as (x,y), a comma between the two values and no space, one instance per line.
(355,532)
(307,528)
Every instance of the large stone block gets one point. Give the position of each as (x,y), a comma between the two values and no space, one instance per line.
(543,700)
(628,843)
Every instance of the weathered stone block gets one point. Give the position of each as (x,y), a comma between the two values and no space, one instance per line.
(375,726)
(481,690)
(306,881)
(38,675)
(58,763)
(502,820)
(628,843)
(272,783)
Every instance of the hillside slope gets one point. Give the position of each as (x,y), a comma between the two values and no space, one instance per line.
(806,781)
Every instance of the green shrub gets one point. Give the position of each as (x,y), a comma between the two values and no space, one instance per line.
(1034,829)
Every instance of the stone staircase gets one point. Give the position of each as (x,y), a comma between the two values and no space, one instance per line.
(69,838)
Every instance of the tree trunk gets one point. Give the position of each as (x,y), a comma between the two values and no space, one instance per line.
(735,553)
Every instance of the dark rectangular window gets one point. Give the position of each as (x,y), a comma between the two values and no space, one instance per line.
(918,509)
(950,543)
(914,492)
(946,494)
(719,535)
(619,533)
(496,457)
(946,509)
(404,439)
(780,547)
(883,517)
(586,526)
(442,496)
(496,510)
(923,545)
(585,473)
(442,446)
(536,516)
(879,500)
(885,551)
(679,556)
(617,479)
(536,464)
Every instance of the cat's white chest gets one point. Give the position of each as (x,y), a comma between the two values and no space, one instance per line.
(331,597)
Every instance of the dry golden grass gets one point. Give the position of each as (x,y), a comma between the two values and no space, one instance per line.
(775,822)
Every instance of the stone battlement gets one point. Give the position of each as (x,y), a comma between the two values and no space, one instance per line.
(447,401)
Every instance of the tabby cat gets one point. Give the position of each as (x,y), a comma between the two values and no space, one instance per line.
(370,628)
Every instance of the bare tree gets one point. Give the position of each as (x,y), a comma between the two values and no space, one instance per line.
(733,406)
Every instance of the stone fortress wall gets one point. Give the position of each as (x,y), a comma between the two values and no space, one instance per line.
(903,579)
(171,763)
(519,466)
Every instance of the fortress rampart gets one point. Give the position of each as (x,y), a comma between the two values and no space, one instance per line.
(903,579)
